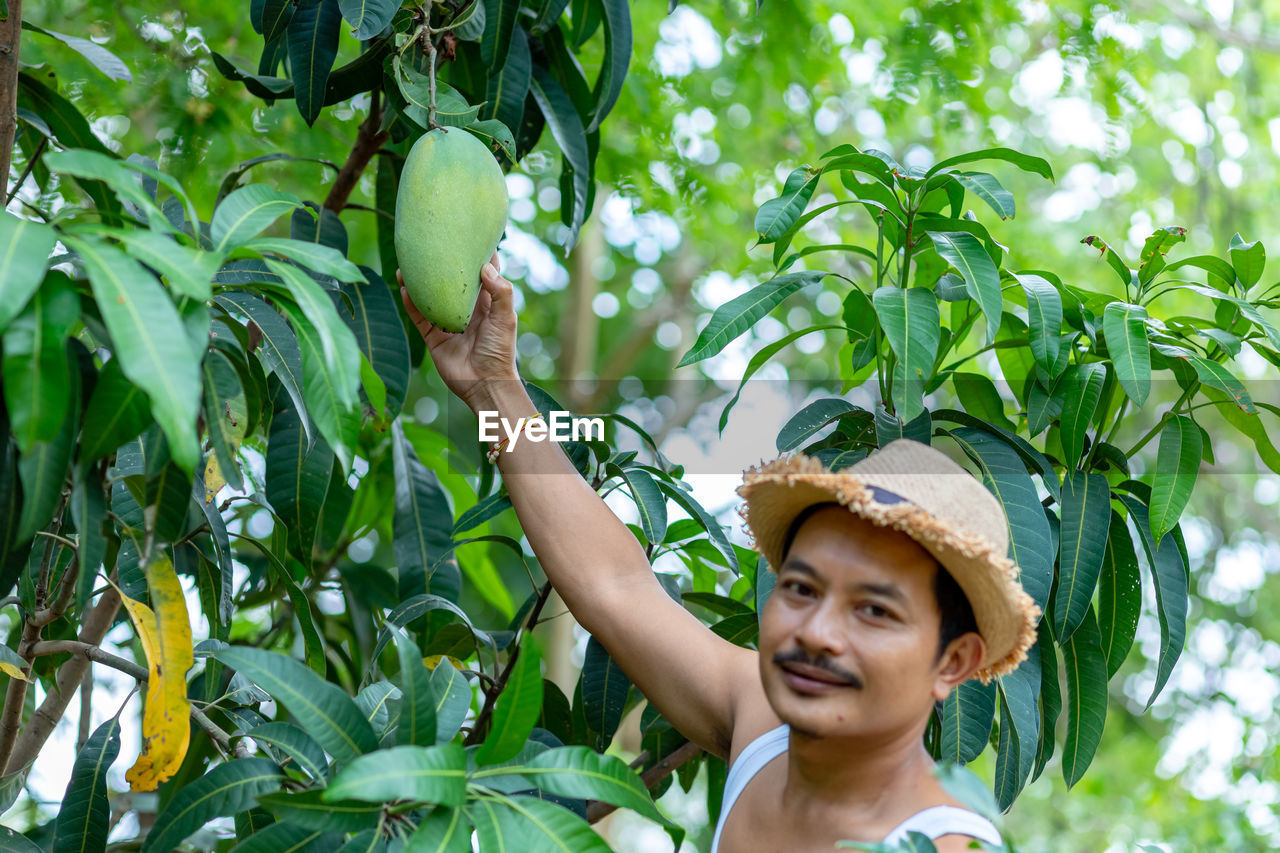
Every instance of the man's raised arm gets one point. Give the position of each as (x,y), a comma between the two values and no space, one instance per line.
(595,563)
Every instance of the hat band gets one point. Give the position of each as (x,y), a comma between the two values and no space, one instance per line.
(884,496)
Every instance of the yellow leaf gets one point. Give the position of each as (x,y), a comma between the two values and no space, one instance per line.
(432,661)
(166,641)
(12,671)
(213,479)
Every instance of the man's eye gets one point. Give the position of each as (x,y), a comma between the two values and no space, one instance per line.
(798,587)
(876,611)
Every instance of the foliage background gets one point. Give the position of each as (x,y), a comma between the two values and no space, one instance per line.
(1152,114)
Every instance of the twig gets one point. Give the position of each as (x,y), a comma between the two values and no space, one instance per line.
(90,652)
(492,694)
(597,810)
(66,592)
(368,140)
(57,538)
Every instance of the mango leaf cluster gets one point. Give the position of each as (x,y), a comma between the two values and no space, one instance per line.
(930,292)
(505,70)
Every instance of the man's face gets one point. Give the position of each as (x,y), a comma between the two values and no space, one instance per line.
(849,637)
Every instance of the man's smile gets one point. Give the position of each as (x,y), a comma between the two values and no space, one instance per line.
(816,676)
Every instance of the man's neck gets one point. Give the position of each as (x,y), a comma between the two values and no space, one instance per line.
(864,779)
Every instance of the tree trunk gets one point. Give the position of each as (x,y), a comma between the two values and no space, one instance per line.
(10,34)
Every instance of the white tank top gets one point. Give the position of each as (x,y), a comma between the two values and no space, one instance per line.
(934,822)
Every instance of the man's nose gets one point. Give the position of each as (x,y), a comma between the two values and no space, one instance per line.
(822,630)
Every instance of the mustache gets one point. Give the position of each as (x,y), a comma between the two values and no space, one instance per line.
(819,662)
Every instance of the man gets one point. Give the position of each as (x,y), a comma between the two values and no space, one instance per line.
(823,726)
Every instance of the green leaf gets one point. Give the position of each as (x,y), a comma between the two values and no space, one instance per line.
(531,825)
(499,24)
(25,248)
(226,414)
(812,418)
(981,278)
(37,376)
(444,830)
(417,724)
(1006,477)
(759,359)
(313,45)
(1126,333)
(322,709)
(778,215)
(429,774)
(323,259)
(571,136)
(416,607)
(604,692)
(1213,375)
(380,336)
(297,479)
(1215,267)
(1177,465)
(1050,697)
(370,841)
(71,130)
(1251,426)
(1080,389)
(650,504)
(1248,260)
(295,743)
(423,518)
(99,57)
(245,213)
(224,790)
(1086,698)
(368,18)
(85,817)
(282,837)
(508,86)
(987,188)
(89,512)
(311,810)
(1170,576)
(1044,316)
(1025,162)
(279,350)
(1119,595)
(578,772)
(741,313)
(517,709)
(97,166)
(617,57)
(452,697)
(912,323)
(1128,278)
(150,341)
(1019,711)
(708,522)
(188,270)
(12,841)
(330,391)
(497,136)
(1086,506)
(967,715)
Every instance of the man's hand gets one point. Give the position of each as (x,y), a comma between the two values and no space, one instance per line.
(486,350)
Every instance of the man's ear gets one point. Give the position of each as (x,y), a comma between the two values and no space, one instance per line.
(958,663)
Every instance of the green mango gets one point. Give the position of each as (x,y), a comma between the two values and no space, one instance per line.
(451,209)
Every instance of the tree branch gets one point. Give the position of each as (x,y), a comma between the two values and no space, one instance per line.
(90,652)
(597,810)
(368,140)
(97,622)
(10,35)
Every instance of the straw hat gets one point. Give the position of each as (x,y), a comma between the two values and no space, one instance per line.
(914,488)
